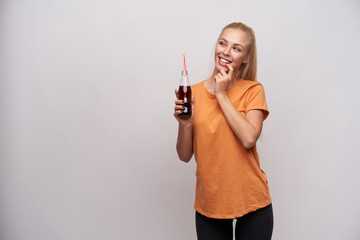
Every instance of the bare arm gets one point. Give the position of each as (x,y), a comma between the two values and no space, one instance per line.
(184,143)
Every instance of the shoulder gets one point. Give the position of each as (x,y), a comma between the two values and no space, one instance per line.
(196,88)
(248,84)
(244,87)
(252,86)
(255,98)
(197,85)
(254,92)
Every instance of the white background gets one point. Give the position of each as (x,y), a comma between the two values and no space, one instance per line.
(87,132)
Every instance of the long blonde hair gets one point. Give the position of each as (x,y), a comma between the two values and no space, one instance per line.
(248,70)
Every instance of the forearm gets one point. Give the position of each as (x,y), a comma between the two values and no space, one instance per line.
(246,131)
(184,145)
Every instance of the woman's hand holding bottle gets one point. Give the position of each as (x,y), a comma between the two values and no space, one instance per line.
(184,121)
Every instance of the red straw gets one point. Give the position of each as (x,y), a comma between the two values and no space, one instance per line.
(184,64)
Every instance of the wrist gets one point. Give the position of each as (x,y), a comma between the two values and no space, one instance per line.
(185,126)
(220,96)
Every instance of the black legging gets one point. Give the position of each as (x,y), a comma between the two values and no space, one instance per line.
(257,225)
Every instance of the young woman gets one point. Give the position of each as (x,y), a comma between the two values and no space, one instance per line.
(228,113)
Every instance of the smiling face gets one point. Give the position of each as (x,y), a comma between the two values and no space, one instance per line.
(231,49)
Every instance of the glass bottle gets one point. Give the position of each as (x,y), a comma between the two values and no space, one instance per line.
(185,94)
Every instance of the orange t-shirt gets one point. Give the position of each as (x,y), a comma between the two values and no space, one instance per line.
(229,182)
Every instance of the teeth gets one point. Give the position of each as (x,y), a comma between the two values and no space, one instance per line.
(224,61)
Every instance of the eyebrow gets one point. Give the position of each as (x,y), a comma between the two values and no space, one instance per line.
(237,44)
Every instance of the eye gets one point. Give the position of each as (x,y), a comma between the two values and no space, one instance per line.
(237,49)
(221,43)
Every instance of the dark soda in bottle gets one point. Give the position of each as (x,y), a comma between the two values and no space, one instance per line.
(185,94)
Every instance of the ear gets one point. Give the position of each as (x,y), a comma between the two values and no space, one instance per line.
(247,58)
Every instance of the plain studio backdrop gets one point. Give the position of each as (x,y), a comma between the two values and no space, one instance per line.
(87,128)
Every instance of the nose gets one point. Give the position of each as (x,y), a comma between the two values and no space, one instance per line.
(227,51)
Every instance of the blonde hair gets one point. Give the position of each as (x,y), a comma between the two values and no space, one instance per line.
(248,70)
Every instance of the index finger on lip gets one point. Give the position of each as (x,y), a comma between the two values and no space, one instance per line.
(231,70)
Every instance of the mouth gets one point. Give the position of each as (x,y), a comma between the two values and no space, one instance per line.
(224,61)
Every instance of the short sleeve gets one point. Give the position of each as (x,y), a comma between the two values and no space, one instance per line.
(255,99)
